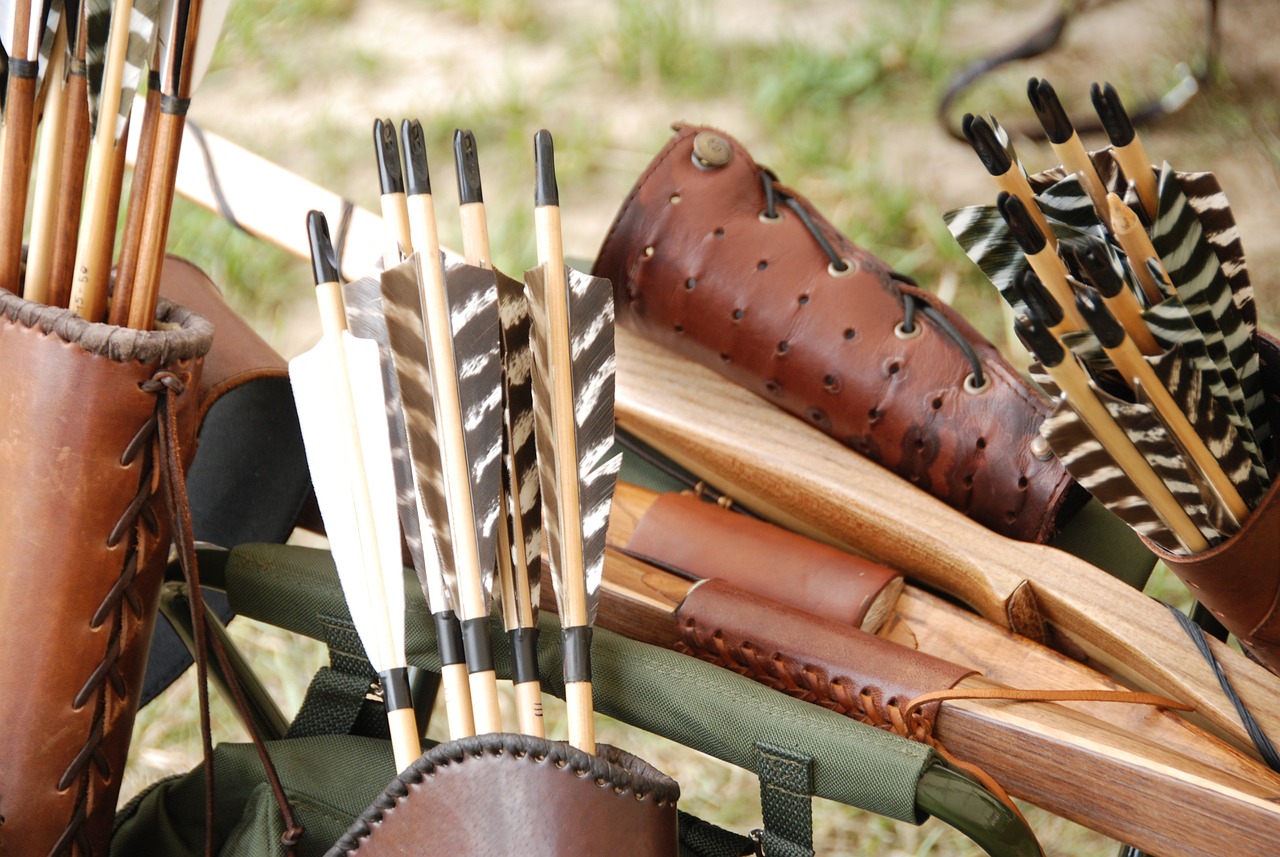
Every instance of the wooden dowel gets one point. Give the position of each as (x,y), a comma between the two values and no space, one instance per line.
(1133,239)
(131,242)
(44,225)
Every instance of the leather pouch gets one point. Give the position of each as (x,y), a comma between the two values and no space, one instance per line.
(515,794)
(712,257)
(1239,579)
(84,539)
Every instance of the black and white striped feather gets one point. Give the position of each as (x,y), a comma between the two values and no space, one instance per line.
(402,312)
(520,458)
(1197,275)
(365,319)
(591,322)
(142,23)
(477,354)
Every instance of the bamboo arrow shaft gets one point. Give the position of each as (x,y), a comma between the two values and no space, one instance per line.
(75,151)
(154,234)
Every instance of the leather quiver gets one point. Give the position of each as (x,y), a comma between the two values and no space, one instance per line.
(516,794)
(714,259)
(1239,579)
(840,668)
(693,537)
(84,540)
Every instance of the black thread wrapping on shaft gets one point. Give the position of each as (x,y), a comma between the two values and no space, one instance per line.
(475,638)
(449,638)
(577,653)
(524,651)
(173,105)
(395,688)
(23,68)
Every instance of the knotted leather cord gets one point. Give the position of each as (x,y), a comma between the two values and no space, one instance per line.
(1045,38)
(866,704)
(167,386)
(839,264)
(909,713)
(1259,738)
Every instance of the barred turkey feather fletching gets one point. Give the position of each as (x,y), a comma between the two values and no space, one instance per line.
(1153,441)
(1096,471)
(142,23)
(520,471)
(1187,387)
(363,301)
(591,318)
(1197,275)
(1210,204)
(474,322)
(402,310)
(985,238)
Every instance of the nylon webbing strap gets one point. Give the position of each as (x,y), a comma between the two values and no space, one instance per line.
(699,838)
(786,801)
(337,700)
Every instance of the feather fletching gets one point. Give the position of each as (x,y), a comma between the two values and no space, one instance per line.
(590,302)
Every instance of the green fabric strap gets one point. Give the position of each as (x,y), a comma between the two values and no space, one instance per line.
(786,801)
(699,838)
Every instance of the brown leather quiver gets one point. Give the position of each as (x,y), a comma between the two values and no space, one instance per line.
(1239,579)
(84,539)
(712,257)
(516,794)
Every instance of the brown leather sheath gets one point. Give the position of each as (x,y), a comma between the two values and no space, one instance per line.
(699,267)
(1239,579)
(515,794)
(857,674)
(84,539)
(681,532)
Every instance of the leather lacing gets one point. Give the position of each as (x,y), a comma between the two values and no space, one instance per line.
(166,386)
(839,265)
(912,719)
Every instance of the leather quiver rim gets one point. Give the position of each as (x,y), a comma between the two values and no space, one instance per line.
(83,545)
(548,795)
(696,268)
(1239,579)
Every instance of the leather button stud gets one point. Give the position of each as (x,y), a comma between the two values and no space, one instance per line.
(711,151)
(1040,448)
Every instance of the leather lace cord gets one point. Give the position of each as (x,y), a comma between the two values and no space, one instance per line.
(106,676)
(913,719)
(838,264)
(912,711)
(167,386)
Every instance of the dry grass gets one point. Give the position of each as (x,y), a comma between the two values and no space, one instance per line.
(837,99)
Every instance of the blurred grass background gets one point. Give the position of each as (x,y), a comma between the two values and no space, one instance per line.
(838,99)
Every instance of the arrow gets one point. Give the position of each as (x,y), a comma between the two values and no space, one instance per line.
(461,348)
(573,386)
(189,37)
(338,388)
(520,534)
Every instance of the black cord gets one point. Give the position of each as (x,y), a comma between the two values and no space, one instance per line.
(1256,735)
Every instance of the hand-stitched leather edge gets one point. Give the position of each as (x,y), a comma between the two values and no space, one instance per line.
(610,767)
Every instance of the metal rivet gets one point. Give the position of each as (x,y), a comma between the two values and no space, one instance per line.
(711,151)
(1040,448)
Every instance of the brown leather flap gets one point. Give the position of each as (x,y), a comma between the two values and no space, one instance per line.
(682,532)
(1239,579)
(514,794)
(818,660)
(239,354)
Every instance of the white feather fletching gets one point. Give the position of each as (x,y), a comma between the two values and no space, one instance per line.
(8,22)
(331,456)
(213,13)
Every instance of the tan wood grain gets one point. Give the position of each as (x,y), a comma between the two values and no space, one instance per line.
(800,478)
